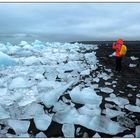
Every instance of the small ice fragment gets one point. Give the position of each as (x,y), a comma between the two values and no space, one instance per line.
(114,86)
(107,105)
(138,95)
(78,131)
(96,79)
(121,91)
(118,100)
(134,58)
(138,102)
(68,130)
(132,65)
(95,86)
(113,54)
(41,135)
(97,135)
(113,113)
(137,133)
(3,113)
(85,72)
(129,95)
(130,86)
(107,83)
(24,135)
(106,90)
(132,108)
(129,136)
(112,95)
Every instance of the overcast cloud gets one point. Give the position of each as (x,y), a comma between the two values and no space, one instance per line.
(70,21)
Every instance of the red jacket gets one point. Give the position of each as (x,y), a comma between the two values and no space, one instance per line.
(117,47)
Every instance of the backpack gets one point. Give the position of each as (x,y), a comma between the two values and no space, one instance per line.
(123,50)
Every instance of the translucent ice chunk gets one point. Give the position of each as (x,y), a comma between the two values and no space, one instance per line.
(29,111)
(19,126)
(68,130)
(85,72)
(18,82)
(133,108)
(106,90)
(42,122)
(134,58)
(113,113)
(91,111)
(137,133)
(6,59)
(96,136)
(51,97)
(128,136)
(131,86)
(3,113)
(41,135)
(132,65)
(138,102)
(118,100)
(100,124)
(85,96)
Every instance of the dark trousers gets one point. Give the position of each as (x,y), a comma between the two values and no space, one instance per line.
(118,63)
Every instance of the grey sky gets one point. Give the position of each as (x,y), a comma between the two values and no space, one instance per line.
(70,21)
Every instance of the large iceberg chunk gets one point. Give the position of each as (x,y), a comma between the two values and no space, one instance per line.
(100,124)
(6,59)
(31,61)
(50,98)
(91,58)
(31,110)
(85,96)
(97,123)
(18,82)
(42,122)
(38,44)
(66,115)
(19,127)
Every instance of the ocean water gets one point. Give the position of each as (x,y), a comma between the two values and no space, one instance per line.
(17,38)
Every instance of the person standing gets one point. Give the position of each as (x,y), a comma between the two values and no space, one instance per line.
(120,52)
